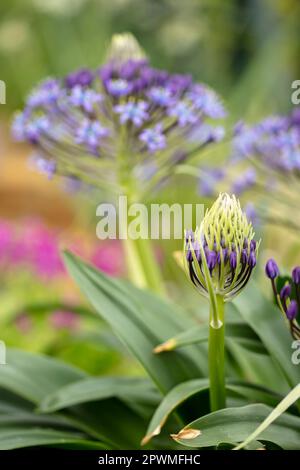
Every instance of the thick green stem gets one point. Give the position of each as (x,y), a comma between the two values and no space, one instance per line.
(143,269)
(216,359)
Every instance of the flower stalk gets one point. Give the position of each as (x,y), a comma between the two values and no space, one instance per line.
(216,359)
(220,257)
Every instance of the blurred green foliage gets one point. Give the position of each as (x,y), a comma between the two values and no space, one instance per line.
(246,49)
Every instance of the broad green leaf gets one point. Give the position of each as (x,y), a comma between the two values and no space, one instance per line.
(186,390)
(18,437)
(171,401)
(111,421)
(267,322)
(289,400)
(256,367)
(34,376)
(99,388)
(141,321)
(235,424)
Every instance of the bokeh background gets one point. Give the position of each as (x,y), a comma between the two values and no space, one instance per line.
(247,50)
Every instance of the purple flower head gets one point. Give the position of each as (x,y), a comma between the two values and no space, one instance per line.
(46,94)
(296,275)
(80,115)
(18,128)
(154,138)
(83,77)
(271,269)
(183,113)
(36,128)
(292,310)
(133,112)
(90,133)
(118,87)
(82,97)
(207,101)
(161,96)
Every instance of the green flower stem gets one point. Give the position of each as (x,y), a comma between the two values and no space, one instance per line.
(150,265)
(142,266)
(216,358)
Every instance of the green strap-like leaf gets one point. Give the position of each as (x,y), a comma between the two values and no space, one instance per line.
(32,376)
(186,390)
(235,424)
(141,321)
(18,437)
(267,322)
(291,398)
(100,388)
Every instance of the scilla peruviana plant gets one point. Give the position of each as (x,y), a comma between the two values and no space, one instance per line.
(219,257)
(122,128)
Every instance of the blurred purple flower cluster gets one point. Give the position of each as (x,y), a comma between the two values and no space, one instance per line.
(274,141)
(88,113)
(264,157)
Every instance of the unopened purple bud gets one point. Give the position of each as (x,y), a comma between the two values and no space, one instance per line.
(211,258)
(253,245)
(252,259)
(197,250)
(189,235)
(189,256)
(271,269)
(244,256)
(292,310)
(245,244)
(285,291)
(296,275)
(232,259)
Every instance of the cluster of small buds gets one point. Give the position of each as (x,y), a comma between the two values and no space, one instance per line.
(87,113)
(288,299)
(225,243)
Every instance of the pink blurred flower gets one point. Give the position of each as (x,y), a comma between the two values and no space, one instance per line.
(64,320)
(40,248)
(109,258)
(6,236)
(23,323)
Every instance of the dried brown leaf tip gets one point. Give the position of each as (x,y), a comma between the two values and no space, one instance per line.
(167,346)
(148,437)
(186,434)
